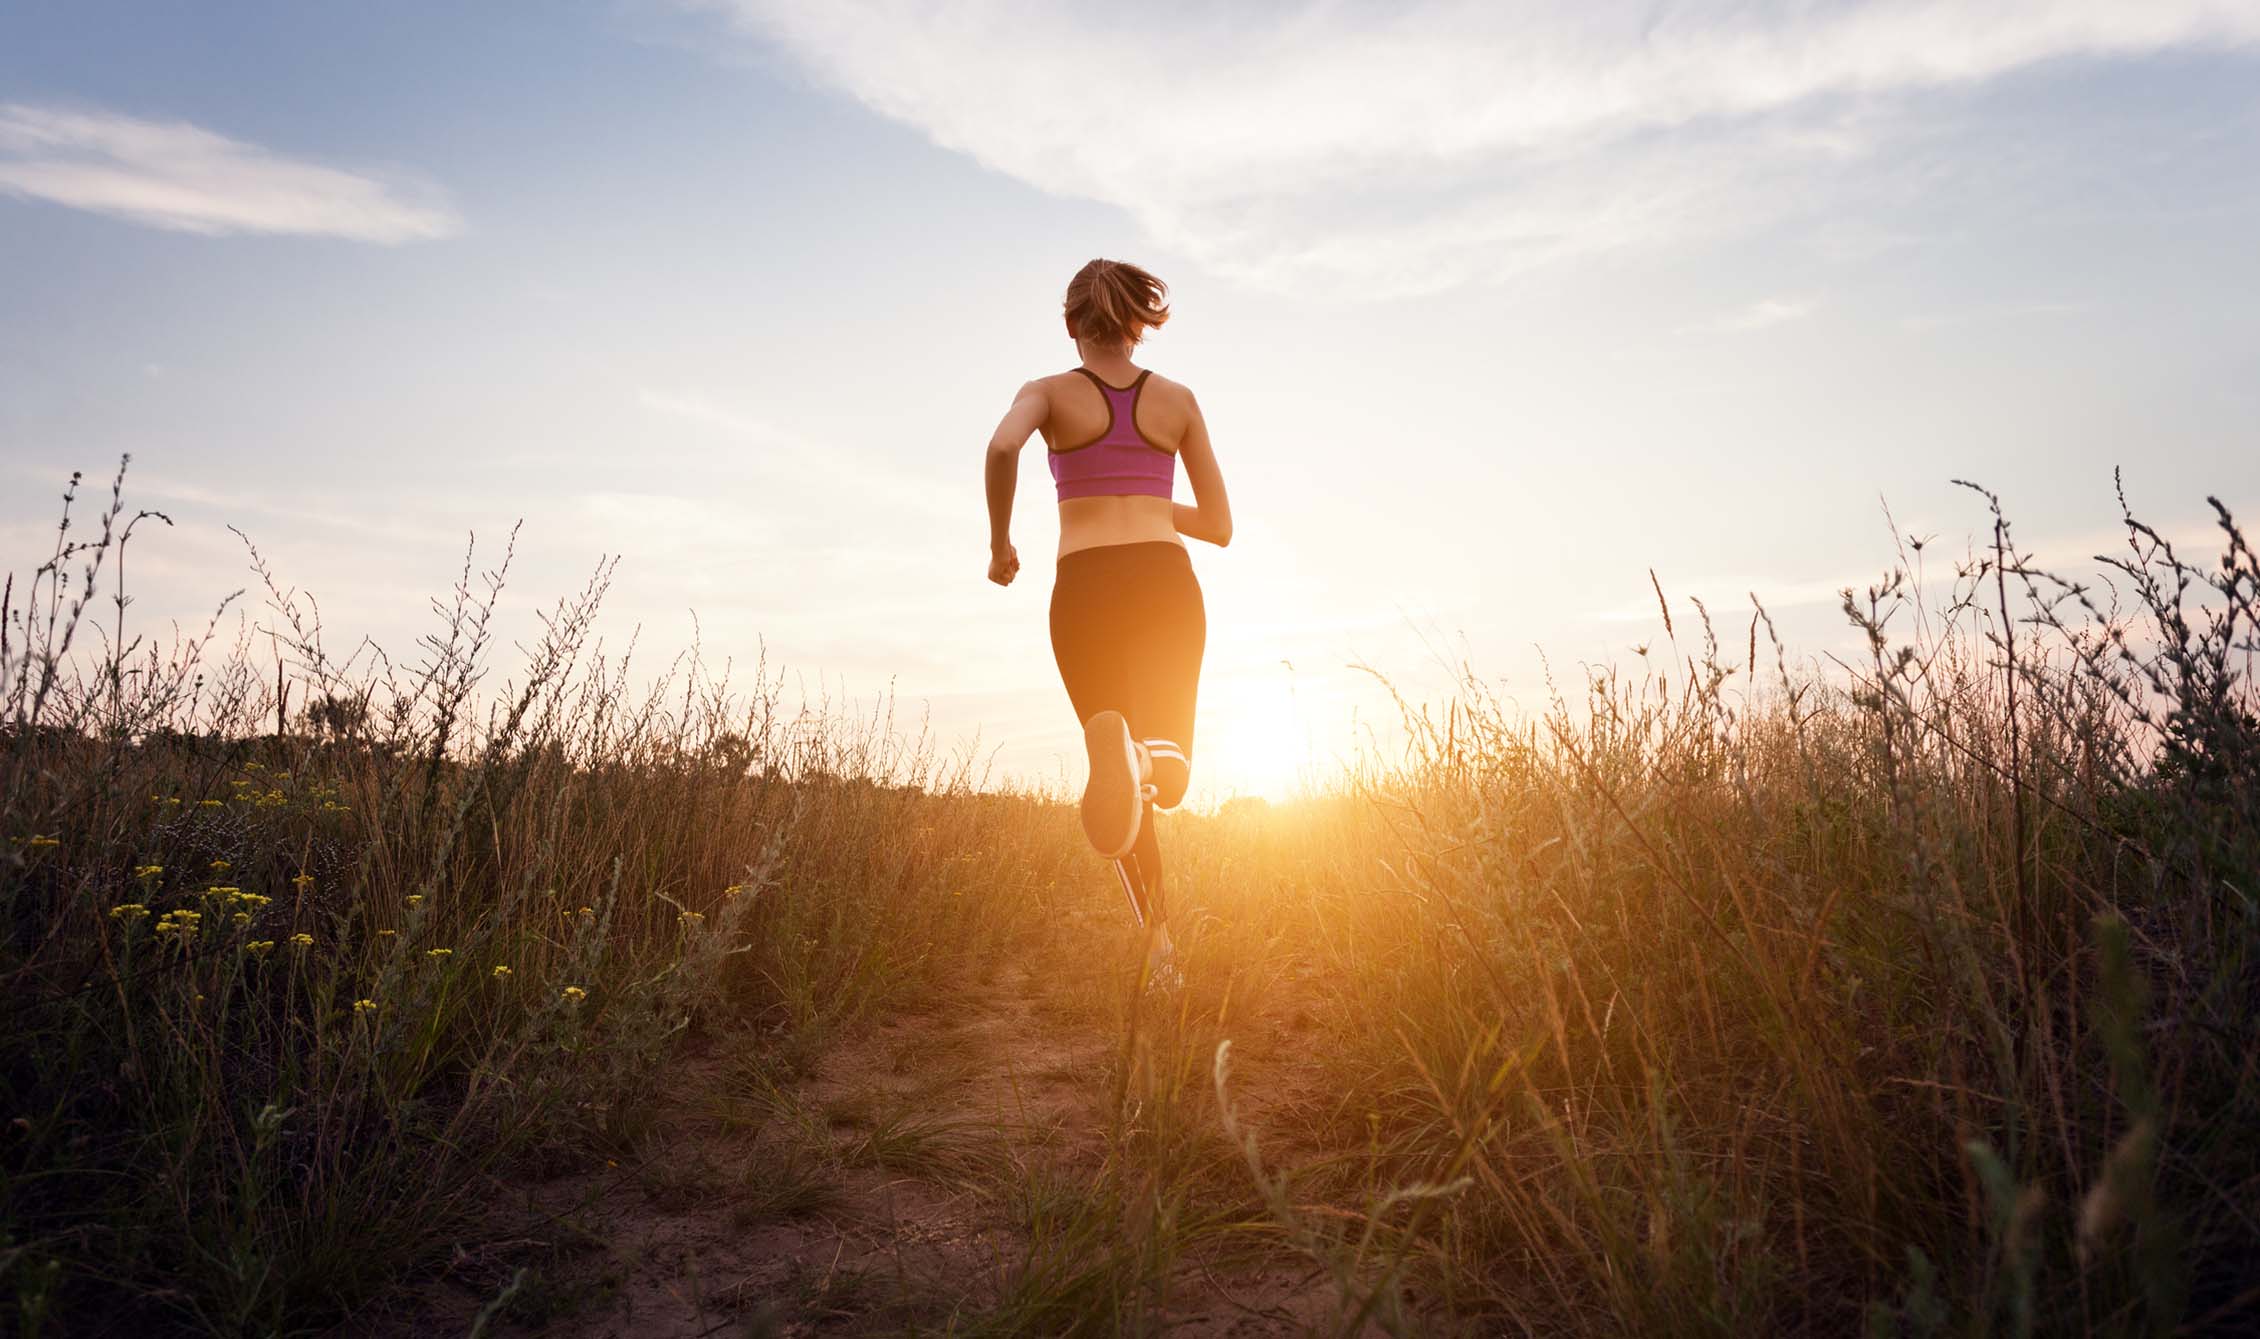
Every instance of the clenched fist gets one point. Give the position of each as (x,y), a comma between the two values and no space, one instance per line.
(1004,564)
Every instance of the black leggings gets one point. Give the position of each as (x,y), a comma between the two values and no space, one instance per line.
(1128,628)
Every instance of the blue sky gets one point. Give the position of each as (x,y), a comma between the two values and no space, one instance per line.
(1491,309)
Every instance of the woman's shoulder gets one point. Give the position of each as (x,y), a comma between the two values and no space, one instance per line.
(1168,389)
(1151,384)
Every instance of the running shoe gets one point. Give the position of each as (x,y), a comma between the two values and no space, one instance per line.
(1161,969)
(1113,798)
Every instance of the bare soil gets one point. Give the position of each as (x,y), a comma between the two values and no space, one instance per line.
(887,1189)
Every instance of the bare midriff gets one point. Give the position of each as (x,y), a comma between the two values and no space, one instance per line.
(1091,522)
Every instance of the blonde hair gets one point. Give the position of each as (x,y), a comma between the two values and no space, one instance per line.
(1114,302)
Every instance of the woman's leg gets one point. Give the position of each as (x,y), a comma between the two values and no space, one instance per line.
(1142,869)
(1175,634)
(1094,600)
(1166,643)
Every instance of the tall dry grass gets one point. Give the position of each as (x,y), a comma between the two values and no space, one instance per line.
(294,966)
(1913,994)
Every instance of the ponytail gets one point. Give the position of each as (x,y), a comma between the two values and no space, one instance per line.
(1112,302)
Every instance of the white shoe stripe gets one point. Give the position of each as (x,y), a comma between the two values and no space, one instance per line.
(1122,872)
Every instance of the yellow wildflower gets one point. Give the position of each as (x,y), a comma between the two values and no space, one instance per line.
(415,899)
(148,871)
(386,934)
(39,841)
(303,880)
(439,953)
(172,799)
(242,918)
(128,911)
(574,994)
(258,948)
(500,971)
(302,940)
(207,804)
(221,867)
(691,918)
(364,1006)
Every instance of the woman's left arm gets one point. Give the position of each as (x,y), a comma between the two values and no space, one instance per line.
(1030,407)
(1210,516)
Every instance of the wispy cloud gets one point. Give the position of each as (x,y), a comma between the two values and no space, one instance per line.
(1758,315)
(239,506)
(1411,146)
(181,177)
(2071,555)
(1923,322)
(772,451)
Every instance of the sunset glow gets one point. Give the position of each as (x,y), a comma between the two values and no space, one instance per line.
(698,328)
(676,668)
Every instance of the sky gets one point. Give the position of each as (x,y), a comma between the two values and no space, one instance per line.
(1492,309)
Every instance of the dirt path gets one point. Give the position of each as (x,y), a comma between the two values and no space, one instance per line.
(936,1173)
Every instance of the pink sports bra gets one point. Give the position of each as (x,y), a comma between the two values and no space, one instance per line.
(1121,459)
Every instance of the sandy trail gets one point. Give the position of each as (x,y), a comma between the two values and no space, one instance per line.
(895,1188)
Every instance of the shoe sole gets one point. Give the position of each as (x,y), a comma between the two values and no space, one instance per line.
(1111,802)
(1165,978)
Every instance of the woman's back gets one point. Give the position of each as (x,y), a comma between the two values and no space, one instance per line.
(1080,413)
(1114,477)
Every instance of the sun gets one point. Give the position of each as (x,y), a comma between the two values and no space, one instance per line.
(1255,740)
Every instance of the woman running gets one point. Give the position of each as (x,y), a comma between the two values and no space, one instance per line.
(1127,623)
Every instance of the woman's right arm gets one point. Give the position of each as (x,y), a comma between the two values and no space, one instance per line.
(1001,464)
(1210,516)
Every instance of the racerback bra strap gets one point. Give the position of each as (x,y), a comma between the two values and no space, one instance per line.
(1133,387)
(1121,459)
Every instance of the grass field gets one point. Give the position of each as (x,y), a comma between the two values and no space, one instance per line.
(1743,994)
